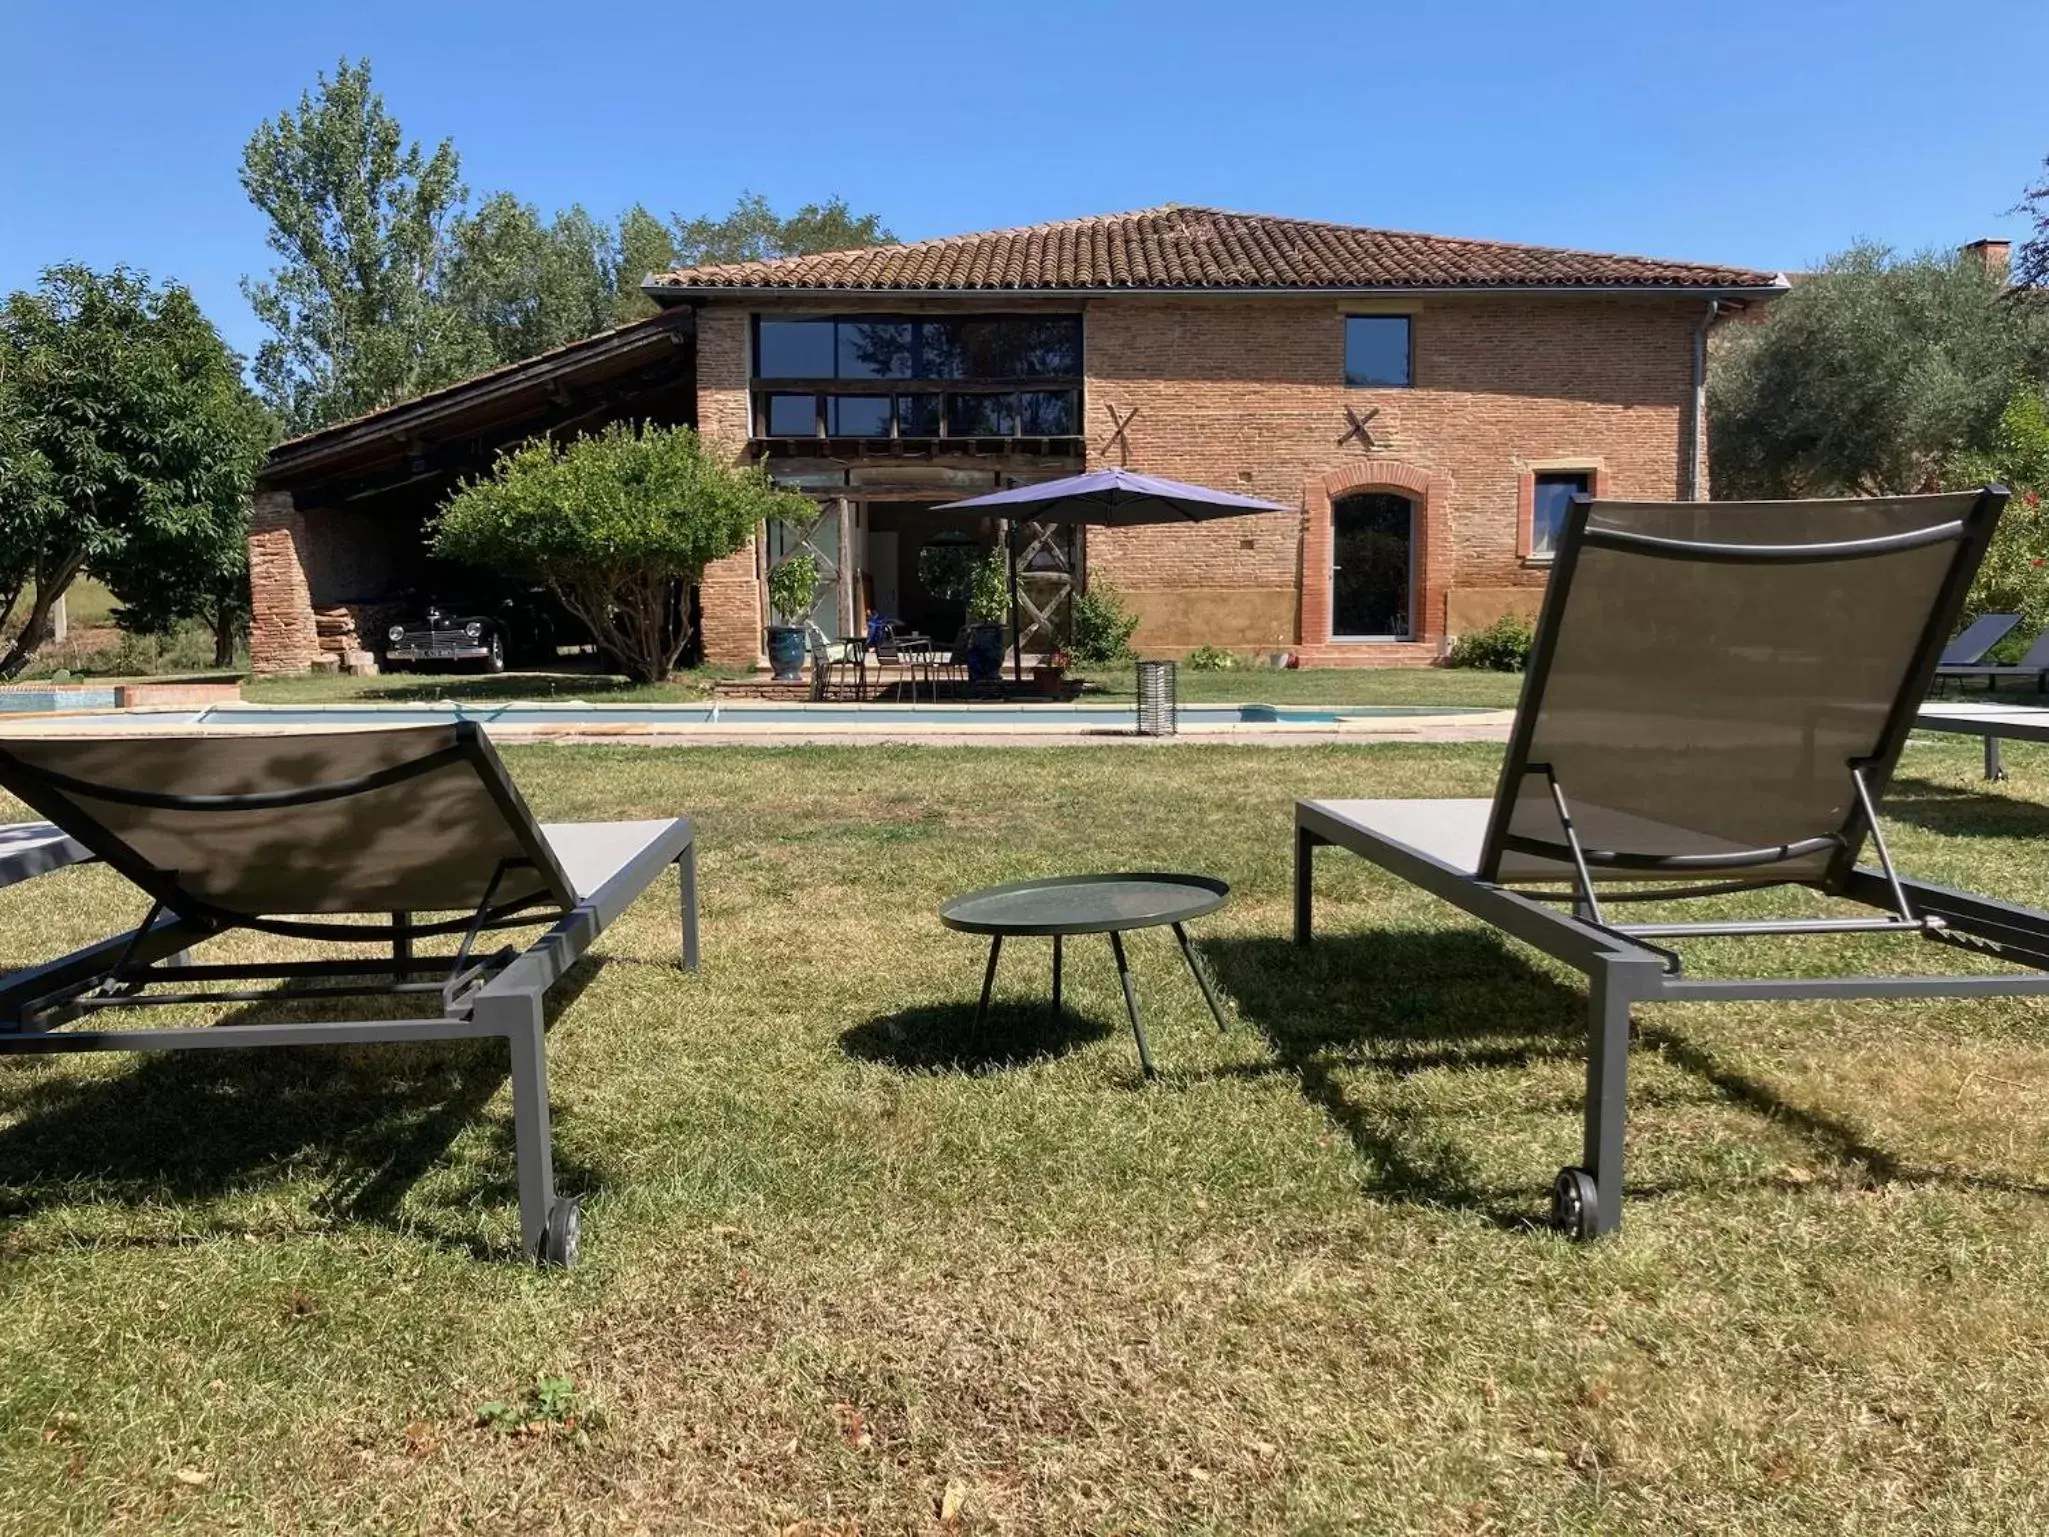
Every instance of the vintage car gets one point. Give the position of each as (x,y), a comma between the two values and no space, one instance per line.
(521,631)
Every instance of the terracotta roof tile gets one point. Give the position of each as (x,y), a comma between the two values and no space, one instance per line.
(1203,248)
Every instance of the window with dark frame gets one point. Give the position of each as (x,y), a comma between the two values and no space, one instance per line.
(1551,494)
(829,375)
(1377,352)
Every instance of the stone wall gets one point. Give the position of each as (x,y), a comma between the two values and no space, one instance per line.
(282,633)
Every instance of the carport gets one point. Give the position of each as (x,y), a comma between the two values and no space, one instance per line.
(336,539)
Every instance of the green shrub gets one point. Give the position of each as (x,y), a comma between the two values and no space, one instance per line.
(1102,625)
(793,587)
(612,524)
(2014,578)
(989,589)
(1503,646)
(1211,659)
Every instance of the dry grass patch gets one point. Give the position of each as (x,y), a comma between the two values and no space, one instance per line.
(850,1267)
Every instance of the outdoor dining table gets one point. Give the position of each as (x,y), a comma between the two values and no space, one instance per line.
(1091,904)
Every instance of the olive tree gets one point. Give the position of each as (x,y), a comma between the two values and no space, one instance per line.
(1870,377)
(612,524)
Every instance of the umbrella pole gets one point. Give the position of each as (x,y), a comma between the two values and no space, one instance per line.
(1016,628)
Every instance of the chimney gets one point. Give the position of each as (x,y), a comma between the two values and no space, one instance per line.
(1989,254)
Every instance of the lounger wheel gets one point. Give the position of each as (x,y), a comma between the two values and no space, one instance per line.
(563,1236)
(1573,1204)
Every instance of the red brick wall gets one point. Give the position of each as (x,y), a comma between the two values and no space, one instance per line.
(281,632)
(730,593)
(1247,395)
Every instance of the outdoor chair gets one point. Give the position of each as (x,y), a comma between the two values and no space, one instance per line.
(883,650)
(30,849)
(1716,698)
(1976,641)
(833,660)
(304,835)
(2034,663)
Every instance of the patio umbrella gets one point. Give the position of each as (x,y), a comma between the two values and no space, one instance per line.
(1107,498)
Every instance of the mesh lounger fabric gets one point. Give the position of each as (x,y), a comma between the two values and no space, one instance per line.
(428,843)
(1697,705)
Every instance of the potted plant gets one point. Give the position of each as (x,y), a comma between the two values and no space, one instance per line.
(792,589)
(988,607)
(1050,677)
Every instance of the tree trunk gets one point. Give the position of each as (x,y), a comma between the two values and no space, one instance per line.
(223,641)
(36,628)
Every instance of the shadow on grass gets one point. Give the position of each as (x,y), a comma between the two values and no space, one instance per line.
(1397,1004)
(367,1120)
(1957,811)
(943,1038)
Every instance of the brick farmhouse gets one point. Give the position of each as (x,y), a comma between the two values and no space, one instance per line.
(1423,406)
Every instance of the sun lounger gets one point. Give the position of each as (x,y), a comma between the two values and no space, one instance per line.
(1715,700)
(36,848)
(306,835)
(2034,663)
(1976,641)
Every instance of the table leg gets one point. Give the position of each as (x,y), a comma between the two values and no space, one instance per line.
(1056,976)
(1145,1055)
(988,978)
(1201,977)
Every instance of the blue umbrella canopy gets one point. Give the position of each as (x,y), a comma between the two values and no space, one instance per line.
(1113,498)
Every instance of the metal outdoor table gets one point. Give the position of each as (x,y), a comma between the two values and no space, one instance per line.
(1091,904)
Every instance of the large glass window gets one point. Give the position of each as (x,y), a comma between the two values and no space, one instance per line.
(792,416)
(793,349)
(857,416)
(875,349)
(1047,414)
(1551,494)
(1377,351)
(1039,353)
(981,416)
(917,416)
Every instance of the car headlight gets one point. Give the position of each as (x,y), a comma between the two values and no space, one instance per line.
(473,630)
(396,632)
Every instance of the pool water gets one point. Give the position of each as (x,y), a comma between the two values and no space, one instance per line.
(1053,717)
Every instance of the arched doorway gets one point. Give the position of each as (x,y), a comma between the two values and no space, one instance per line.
(1372,566)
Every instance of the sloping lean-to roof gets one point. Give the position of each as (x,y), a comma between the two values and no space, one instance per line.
(1204,249)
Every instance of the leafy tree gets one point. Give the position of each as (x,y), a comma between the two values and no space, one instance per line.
(194,564)
(1869,377)
(2031,260)
(123,412)
(2014,578)
(753,231)
(612,524)
(645,245)
(520,286)
(359,217)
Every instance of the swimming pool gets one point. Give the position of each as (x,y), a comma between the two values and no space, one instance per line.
(568,715)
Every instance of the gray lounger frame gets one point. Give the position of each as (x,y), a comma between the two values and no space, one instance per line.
(1625,964)
(2009,725)
(479,995)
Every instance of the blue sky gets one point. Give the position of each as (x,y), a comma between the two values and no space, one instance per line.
(1761,134)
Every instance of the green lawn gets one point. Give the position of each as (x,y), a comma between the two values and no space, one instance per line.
(848,1265)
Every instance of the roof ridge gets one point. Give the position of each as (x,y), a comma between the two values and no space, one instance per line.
(1415,234)
(1196,246)
(930,242)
